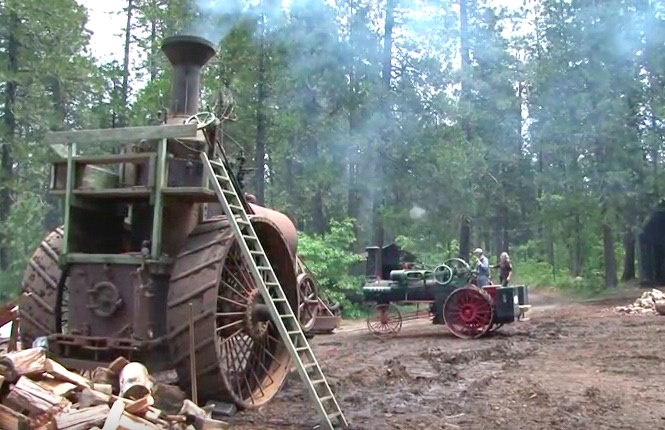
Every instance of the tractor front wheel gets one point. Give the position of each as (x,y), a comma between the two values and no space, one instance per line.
(384,319)
(468,312)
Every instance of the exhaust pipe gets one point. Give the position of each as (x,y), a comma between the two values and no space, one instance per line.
(187,55)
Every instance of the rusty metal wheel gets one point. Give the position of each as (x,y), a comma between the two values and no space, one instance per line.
(41,310)
(384,319)
(240,357)
(468,312)
(308,302)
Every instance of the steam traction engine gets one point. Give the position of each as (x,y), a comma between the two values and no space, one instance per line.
(143,242)
(448,291)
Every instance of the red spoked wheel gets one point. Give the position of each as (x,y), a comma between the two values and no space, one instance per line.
(308,302)
(468,312)
(384,319)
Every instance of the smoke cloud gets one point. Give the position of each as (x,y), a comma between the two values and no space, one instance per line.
(417,213)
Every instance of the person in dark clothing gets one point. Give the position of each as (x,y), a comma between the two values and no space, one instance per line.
(505,268)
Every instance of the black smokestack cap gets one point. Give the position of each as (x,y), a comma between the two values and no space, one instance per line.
(188,55)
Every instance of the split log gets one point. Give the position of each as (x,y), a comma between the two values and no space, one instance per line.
(12,420)
(117,365)
(27,362)
(102,375)
(58,371)
(82,419)
(119,419)
(103,388)
(135,381)
(59,388)
(29,397)
(140,406)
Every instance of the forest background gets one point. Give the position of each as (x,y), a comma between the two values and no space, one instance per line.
(441,125)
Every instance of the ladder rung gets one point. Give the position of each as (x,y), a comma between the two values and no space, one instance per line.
(249,237)
(334,415)
(284,316)
(326,398)
(309,366)
(318,381)
(264,268)
(236,207)
(303,348)
(293,332)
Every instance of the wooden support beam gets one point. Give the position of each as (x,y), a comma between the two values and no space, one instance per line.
(122,135)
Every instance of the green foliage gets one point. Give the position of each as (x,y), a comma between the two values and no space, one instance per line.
(330,261)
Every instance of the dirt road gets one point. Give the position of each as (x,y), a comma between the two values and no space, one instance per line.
(571,366)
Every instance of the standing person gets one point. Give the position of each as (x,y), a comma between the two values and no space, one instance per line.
(483,267)
(505,268)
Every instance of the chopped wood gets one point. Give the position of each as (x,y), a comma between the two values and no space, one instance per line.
(103,388)
(27,362)
(27,396)
(12,420)
(140,406)
(58,371)
(132,422)
(113,420)
(41,395)
(82,419)
(117,365)
(59,388)
(102,375)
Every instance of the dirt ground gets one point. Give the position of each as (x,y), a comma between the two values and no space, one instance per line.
(570,366)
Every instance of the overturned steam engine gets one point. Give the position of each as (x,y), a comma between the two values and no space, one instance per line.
(145,252)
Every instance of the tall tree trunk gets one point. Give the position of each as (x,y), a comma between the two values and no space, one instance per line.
(6,159)
(609,257)
(124,120)
(354,200)
(465,221)
(261,119)
(629,245)
(153,43)
(379,168)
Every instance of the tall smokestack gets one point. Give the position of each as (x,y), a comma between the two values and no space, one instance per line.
(187,55)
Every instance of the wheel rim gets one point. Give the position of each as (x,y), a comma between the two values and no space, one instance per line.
(459,266)
(443,274)
(384,319)
(252,355)
(468,312)
(308,302)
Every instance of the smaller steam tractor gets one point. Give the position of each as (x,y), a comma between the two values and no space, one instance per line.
(449,290)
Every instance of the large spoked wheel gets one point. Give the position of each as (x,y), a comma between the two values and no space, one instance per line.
(443,274)
(384,319)
(240,357)
(308,303)
(468,312)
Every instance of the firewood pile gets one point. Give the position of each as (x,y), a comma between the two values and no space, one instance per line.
(38,393)
(650,302)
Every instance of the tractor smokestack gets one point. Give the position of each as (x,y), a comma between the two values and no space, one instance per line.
(187,55)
